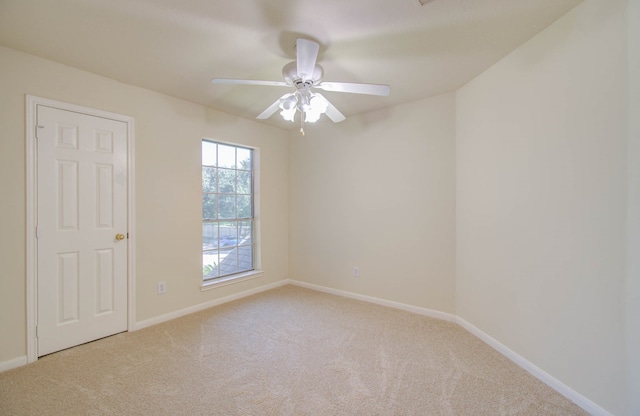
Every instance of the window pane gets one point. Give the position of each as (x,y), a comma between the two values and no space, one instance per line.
(244,158)
(209,179)
(244,182)
(209,235)
(226,207)
(244,206)
(245,258)
(228,234)
(226,156)
(209,207)
(228,261)
(226,181)
(227,210)
(210,264)
(245,232)
(209,153)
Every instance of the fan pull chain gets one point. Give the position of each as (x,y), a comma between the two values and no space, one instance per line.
(302,124)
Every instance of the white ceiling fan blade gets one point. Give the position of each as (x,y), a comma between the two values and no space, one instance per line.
(307,54)
(332,112)
(233,81)
(369,89)
(272,108)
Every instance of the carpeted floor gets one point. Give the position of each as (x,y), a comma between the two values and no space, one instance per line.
(288,351)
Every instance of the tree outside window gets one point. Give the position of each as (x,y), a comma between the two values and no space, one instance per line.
(228,222)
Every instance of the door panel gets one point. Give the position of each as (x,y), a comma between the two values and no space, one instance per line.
(82,205)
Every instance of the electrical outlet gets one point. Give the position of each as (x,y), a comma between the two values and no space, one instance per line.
(356,272)
(162,288)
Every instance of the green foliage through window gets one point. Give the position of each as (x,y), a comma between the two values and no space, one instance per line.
(228,223)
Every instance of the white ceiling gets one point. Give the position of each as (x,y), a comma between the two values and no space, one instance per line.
(177,46)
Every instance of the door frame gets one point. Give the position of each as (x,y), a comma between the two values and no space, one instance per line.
(31,212)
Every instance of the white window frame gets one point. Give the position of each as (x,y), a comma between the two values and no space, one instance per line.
(256,272)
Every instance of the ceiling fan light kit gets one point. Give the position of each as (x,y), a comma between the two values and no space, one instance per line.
(303,74)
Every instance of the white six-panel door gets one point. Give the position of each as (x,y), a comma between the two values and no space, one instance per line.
(81,228)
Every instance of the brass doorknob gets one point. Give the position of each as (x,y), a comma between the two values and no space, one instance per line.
(119,237)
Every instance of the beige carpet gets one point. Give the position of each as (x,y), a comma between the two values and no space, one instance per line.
(288,351)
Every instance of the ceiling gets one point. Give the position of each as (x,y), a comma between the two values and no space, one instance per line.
(177,46)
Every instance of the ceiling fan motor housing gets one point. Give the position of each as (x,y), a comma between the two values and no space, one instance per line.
(291,76)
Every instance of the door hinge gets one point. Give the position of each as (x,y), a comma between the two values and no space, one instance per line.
(37,233)
(37,334)
(38,127)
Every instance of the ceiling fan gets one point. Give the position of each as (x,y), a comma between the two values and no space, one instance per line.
(304,75)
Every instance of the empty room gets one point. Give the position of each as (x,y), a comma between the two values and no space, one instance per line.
(288,207)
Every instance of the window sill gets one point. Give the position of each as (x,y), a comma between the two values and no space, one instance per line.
(236,278)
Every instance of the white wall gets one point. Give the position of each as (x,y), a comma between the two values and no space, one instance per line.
(633,251)
(168,212)
(377,191)
(542,201)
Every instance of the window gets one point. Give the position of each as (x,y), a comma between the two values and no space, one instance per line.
(228,222)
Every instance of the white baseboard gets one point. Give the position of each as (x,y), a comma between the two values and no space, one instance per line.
(206,305)
(586,404)
(14,363)
(378,301)
(535,371)
(20,361)
(540,374)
